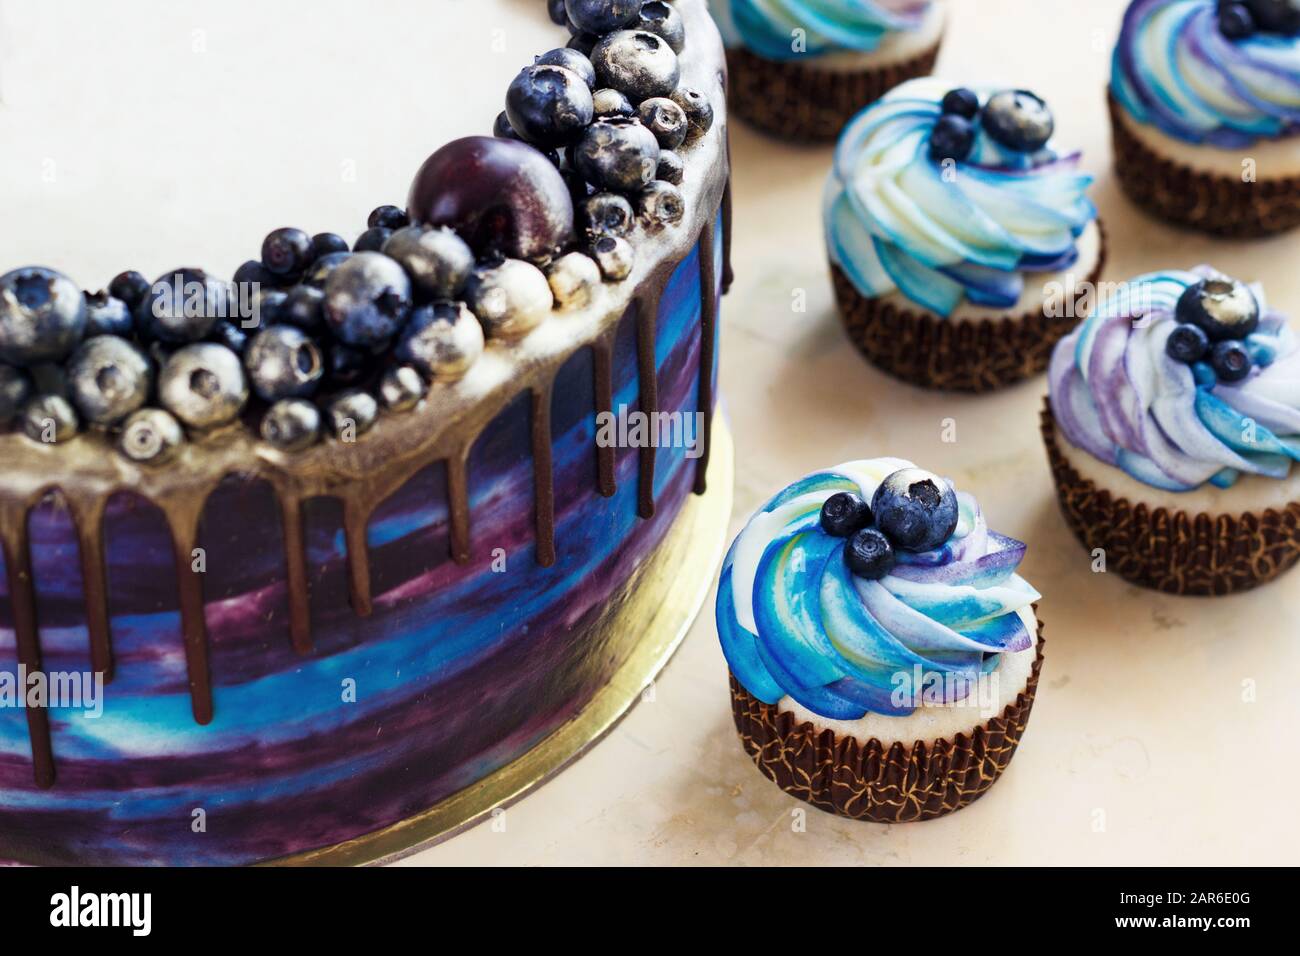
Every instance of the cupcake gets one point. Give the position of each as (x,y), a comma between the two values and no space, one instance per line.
(961,242)
(1205,113)
(800,69)
(1172,426)
(884,654)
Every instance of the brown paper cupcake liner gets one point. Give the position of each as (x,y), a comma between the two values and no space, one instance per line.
(796,102)
(977,355)
(1222,206)
(1174,552)
(894,784)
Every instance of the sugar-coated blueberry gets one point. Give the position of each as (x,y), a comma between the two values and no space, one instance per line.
(570,59)
(42,316)
(952,138)
(698,109)
(606,214)
(661,204)
(1187,343)
(291,425)
(549,105)
(203,385)
(443,340)
(1230,360)
(618,154)
(672,169)
(615,256)
(367,299)
(351,414)
(636,63)
(437,260)
(961,102)
(665,119)
(182,306)
(601,16)
(1224,308)
(151,436)
(916,509)
(573,277)
(108,378)
(401,388)
(662,19)
(283,362)
(1019,120)
(50,419)
(609,102)
(510,297)
(870,554)
(845,513)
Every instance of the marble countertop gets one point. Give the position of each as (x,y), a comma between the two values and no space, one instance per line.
(1163,731)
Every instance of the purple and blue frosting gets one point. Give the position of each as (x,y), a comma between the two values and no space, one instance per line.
(943,232)
(795,622)
(1118,394)
(1175,69)
(767,27)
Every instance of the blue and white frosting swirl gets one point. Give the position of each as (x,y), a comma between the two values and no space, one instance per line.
(767,27)
(794,621)
(897,220)
(1174,69)
(1118,395)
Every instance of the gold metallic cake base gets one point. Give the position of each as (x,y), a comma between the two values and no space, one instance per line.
(660,604)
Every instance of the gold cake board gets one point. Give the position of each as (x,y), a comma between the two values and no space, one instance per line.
(668,592)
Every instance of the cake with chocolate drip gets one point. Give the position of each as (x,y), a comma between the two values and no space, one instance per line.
(343,540)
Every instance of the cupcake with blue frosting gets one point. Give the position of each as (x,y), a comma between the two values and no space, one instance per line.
(961,239)
(800,69)
(1205,112)
(1173,430)
(884,654)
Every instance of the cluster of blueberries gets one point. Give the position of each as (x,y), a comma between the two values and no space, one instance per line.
(1214,318)
(912,510)
(317,334)
(1016,119)
(1239,19)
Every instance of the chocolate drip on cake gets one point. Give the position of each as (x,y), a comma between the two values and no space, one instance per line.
(604,383)
(647,314)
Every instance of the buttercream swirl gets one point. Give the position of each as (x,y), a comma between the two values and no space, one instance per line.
(767,27)
(793,620)
(1174,69)
(1118,395)
(898,220)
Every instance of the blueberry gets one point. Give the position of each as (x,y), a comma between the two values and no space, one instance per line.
(42,316)
(442,340)
(401,388)
(502,129)
(387,217)
(15,390)
(615,257)
(50,419)
(252,275)
(130,287)
(637,64)
(182,306)
(372,240)
(663,20)
(303,307)
(286,252)
(510,297)
(952,138)
(437,260)
(698,109)
(1230,360)
(1187,343)
(203,385)
(499,195)
(571,60)
(601,16)
(1276,16)
(555,9)
(916,509)
(661,204)
(1019,120)
(150,436)
(573,278)
(1224,308)
(327,244)
(1235,21)
(108,379)
(961,102)
(618,154)
(606,214)
(665,119)
(609,102)
(230,335)
(324,267)
(345,365)
(584,43)
(548,105)
(367,299)
(106,315)
(282,362)
(352,413)
(291,425)
(845,513)
(869,554)
(671,167)
(268,309)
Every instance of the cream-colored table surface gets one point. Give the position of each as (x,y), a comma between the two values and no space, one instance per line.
(1144,746)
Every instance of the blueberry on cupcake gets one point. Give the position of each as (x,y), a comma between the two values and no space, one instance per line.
(1172,433)
(1205,112)
(884,654)
(960,238)
(800,69)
